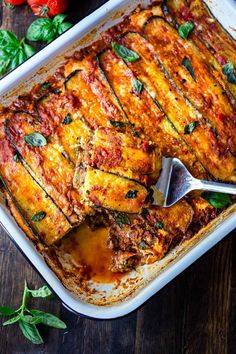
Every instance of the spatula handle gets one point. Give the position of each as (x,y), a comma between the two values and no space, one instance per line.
(217,187)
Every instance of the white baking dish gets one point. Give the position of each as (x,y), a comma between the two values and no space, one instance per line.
(153,277)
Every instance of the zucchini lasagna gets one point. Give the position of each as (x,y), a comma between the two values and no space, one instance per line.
(79,153)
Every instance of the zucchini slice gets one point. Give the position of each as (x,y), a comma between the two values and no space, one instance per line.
(30,199)
(98,104)
(201,138)
(150,122)
(207,28)
(183,62)
(46,164)
(73,135)
(102,189)
(211,56)
(125,155)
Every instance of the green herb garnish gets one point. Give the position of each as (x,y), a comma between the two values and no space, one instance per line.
(124,53)
(45,86)
(187,64)
(189,128)
(35,139)
(47,29)
(29,318)
(185,29)
(120,218)
(12,51)
(117,124)
(16,157)
(159,225)
(217,200)
(131,194)
(38,216)
(67,119)
(143,245)
(137,86)
(229,71)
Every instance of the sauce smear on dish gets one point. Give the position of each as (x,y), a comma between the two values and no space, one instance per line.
(89,248)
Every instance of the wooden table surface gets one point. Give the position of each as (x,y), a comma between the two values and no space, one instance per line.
(195,313)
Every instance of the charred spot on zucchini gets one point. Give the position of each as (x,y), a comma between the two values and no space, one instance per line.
(120,218)
(217,200)
(38,216)
(189,128)
(185,29)
(187,64)
(67,119)
(132,193)
(69,77)
(229,70)
(137,86)
(117,124)
(35,139)
(124,53)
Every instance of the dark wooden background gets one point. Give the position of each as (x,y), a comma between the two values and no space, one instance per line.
(194,314)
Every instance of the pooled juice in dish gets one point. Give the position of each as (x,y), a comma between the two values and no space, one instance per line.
(89,248)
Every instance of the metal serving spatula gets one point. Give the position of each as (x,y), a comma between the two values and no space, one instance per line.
(176,181)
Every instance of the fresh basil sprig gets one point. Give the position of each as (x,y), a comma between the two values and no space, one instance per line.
(29,318)
(124,53)
(131,194)
(35,139)
(185,29)
(187,64)
(47,29)
(230,72)
(189,128)
(137,86)
(38,216)
(217,200)
(12,51)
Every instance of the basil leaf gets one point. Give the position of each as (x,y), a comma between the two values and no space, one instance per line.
(48,319)
(159,225)
(30,332)
(35,139)
(57,20)
(120,218)
(185,29)
(116,124)
(12,320)
(217,200)
(64,27)
(44,291)
(67,119)
(228,70)
(30,319)
(28,49)
(125,53)
(18,59)
(137,86)
(187,64)
(131,194)
(8,38)
(4,62)
(38,216)
(45,86)
(143,245)
(189,128)
(40,29)
(16,157)
(6,311)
